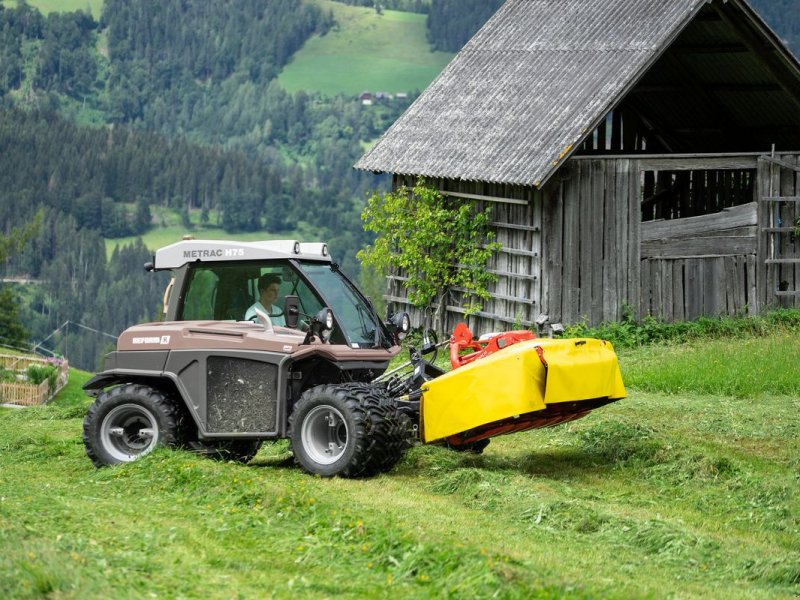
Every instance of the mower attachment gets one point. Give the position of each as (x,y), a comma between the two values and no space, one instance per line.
(527,384)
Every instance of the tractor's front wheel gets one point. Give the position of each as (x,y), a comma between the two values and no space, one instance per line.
(127,422)
(329,431)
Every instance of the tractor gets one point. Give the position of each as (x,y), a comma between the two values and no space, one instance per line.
(313,370)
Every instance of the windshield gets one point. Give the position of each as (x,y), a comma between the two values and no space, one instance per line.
(359,321)
(233,291)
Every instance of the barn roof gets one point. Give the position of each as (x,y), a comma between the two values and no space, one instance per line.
(523,94)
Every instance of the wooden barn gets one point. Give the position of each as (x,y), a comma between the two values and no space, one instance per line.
(638,155)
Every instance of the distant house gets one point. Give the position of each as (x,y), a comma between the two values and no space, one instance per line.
(366,98)
(627,150)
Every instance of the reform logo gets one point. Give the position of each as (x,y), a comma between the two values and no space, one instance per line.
(164,339)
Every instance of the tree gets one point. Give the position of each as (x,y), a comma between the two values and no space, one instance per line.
(12,333)
(12,243)
(438,244)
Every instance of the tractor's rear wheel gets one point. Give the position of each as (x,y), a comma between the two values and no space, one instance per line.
(390,430)
(346,430)
(127,422)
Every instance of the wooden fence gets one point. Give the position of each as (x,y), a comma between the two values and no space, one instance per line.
(28,394)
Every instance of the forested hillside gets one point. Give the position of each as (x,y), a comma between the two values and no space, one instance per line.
(175,105)
(188,120)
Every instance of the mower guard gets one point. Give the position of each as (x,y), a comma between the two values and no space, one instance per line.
(533,383)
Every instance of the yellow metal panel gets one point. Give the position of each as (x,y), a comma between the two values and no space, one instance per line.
(514,382)
(504,384)
(581,369)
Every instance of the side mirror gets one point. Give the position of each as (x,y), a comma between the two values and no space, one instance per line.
(291,311)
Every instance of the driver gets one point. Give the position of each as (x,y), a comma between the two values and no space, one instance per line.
(268,288)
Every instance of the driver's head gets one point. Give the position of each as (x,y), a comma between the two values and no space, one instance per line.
(268,287)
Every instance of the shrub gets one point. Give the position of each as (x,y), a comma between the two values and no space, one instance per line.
(37,374)
(629,333)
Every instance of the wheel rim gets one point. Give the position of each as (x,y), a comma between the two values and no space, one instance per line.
(129,431)
(324,434)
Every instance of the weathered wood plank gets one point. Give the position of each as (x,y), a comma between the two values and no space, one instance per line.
(713,287)
(634,222)
(752,268)
(781,162)
(780,199)
(656,290)
(554,250)
(786,212)
(486,315)
(536,214)
(668,309)
(570,281)
(645,289)
(698,163)
(699,246)
(693,289)
(795,216)
(729,285)
(585,226)
(599,232)
(611,253)
(468,196)
(764,220)
(517,226)
(678,300)
(622,210)
(738,216)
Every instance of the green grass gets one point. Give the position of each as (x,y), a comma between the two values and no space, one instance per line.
(48,6)
(367,51)
(679,493)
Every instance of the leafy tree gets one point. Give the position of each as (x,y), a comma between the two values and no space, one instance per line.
(14,240)
(436,242)
(12,332)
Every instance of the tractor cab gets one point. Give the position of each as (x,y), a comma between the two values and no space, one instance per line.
(219,281)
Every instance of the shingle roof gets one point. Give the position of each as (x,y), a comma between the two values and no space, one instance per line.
(531,83)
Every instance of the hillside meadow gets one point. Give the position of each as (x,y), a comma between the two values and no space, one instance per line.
(366,51)
(48,6)
(678,491)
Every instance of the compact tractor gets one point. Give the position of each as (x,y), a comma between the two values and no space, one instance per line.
(313,370)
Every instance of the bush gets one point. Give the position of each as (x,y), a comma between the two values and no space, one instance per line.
(7,376)
(37,374)
(629,333)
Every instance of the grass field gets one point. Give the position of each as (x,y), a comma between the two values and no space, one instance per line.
(681,493)
(387,52)
(48,6)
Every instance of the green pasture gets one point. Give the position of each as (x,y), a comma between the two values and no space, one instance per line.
(366,51)
(684,492)
(48,6)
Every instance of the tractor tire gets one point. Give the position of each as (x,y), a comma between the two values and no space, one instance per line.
(128,422)
(338,430)
(241,451)
(390,430)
